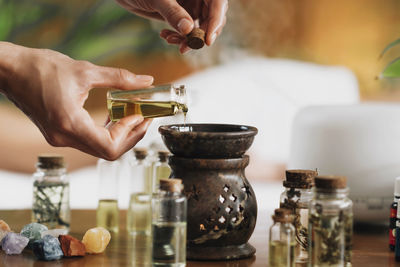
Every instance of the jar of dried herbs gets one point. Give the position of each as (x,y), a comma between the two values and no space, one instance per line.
(296,197)
(51,193)
(330,223)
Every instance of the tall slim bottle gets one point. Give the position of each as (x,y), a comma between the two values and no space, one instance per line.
(169,207)
(161,169)
(107,214)
(139,209)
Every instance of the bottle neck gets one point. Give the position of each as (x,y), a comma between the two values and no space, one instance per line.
(396,198)
(52,172)
(322,193)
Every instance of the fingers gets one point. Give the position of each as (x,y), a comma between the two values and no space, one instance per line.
(119,78)
(175,14)
(175,38)
(114,140)
(216,19)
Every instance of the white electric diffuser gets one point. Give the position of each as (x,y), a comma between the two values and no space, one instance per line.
(361,142)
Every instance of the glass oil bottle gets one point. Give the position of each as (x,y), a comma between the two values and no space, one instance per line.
(159,101)
(282,241)
(51,193)
(139,209)
(393,215)
(330,223)
(169,207)
(296,197)
(107,214)
(161,169)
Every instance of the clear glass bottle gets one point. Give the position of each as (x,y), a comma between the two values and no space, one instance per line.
(51,193)
(330,223)
(282,241)
(296,197)
(161,169)
(139,209)
(169,207)
(107,214)
(159,101)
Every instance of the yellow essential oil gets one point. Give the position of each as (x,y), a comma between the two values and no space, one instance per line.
(139,214)
(281,254)
(107,215)
(148,109)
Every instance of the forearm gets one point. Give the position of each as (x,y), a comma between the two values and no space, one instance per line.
(10,58)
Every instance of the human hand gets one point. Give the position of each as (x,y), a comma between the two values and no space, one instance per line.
(51,89)
(182,16)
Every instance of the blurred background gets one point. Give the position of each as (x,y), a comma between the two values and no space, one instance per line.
(341,32)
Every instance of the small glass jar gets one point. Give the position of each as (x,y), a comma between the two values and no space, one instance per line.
(296,197)
(282,241)
(51,193)
(169,207)
(139,209)
(161,169)
(330,223)
(107,214)
(158,101)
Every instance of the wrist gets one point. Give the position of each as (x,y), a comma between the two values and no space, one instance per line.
(9,61)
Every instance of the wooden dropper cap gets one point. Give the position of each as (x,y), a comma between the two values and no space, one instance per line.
(50,161)
(300,178)
(282,215)
(163,155)
(140,153)
(195,39)
(171,185)
(330,182)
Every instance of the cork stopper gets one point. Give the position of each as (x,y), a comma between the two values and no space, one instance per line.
(300,178)
(330,182)
(171,185)
(282,215)
(50,161)
(140,152)
(163,155)
(195,39)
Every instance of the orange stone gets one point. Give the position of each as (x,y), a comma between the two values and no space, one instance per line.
(71,246)
(4,226)
(96,240)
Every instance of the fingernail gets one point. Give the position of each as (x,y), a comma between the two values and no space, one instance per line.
(144,78)
(213,37)
(173,40)
(185,26)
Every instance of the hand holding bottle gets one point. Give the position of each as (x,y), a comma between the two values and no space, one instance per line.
(181,15)
(51,89)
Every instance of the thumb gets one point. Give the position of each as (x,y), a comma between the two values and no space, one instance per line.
(119,78)
(176,15)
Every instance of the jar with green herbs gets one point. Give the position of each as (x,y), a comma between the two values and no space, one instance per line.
(296,197)
(330,223)
(51,193)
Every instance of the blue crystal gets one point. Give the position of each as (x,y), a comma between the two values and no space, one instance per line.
(48,248)
(33,231)
(14,243)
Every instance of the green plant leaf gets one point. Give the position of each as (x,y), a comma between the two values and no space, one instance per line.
(389,46)
(392,70)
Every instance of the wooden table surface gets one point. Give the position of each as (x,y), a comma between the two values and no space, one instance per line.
(370,245)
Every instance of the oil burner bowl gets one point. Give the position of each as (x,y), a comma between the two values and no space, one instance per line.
(210,141)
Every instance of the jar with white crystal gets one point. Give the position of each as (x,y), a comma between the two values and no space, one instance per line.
(51,193)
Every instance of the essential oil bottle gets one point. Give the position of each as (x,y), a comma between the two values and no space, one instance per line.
(107,214)
(393,215)
(169,207)
(161,169)
(139,209)
(296,197)
(330,227)
(51,192)
(282,241)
